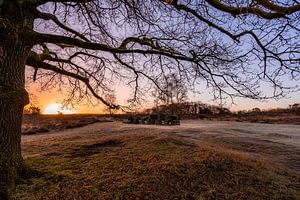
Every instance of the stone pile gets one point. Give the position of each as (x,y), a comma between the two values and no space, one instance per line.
(157,119)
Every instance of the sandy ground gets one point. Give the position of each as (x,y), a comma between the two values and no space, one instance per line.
(278,143)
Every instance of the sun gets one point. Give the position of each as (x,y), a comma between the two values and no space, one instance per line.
(56,108)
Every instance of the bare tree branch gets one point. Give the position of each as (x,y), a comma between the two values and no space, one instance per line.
(36,63)
(279,11)
(47,16)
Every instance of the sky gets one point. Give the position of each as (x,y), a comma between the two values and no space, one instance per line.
(50,97)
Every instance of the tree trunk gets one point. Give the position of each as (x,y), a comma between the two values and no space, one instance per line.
(15,19)
(13,97)
(10,149)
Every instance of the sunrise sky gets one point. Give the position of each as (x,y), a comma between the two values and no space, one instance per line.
(46,99)
(50,99)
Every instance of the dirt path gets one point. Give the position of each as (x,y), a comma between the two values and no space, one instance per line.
(277,142)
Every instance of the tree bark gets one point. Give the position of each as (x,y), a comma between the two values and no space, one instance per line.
(13,96)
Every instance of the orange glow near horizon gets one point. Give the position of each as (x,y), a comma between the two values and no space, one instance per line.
(56,108)
(46,99)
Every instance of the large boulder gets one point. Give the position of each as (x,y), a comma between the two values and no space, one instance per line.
(172,120)
(157,119)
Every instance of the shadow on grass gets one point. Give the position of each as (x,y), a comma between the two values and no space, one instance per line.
(91,149)
(28,176)
(28,173)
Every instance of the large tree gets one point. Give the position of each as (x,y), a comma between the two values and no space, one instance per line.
(232,46)
(172,91)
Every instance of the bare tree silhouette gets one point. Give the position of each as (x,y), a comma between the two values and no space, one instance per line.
(172,91)
(233,46)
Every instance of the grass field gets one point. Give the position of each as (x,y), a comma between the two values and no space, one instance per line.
(33,124)
(137,163)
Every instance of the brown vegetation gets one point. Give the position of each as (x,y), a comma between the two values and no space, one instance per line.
(146,165)
(33,124)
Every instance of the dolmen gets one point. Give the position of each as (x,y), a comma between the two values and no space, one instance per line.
(157,119)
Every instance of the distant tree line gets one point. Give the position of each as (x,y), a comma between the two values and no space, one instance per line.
(201,109)
(293,109)
(172,98)
(188,108)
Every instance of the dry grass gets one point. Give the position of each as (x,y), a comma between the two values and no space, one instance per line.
(33,124)
(152,166)
(262,118)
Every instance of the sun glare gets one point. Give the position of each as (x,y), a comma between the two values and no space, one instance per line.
(56,108)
